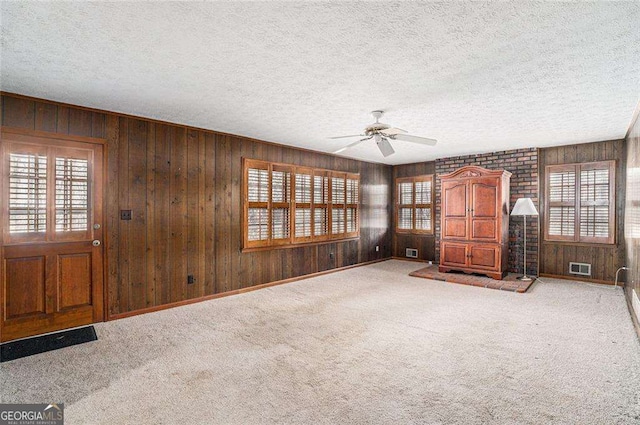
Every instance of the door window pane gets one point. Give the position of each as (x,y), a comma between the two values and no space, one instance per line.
(72,194)
(27,193)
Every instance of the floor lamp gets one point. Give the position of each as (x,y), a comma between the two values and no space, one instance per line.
(524,207)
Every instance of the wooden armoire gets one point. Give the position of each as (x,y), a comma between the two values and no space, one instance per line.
(475,221)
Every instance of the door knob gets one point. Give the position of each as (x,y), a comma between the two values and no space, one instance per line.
(96,243)
(96,226)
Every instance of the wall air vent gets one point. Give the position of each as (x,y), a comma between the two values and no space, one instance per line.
(583,269)
(412,253)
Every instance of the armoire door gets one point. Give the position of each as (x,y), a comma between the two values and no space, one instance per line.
(485,209)
(455,203)
(52,270)
(454,254)
(484,256)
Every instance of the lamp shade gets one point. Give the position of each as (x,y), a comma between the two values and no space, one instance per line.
(524,206)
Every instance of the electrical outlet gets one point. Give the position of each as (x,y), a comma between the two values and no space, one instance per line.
(125,214)
(191,279)
(430,263)
(377,248)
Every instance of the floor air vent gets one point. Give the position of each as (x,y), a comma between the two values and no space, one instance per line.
(412,253)
(583,269)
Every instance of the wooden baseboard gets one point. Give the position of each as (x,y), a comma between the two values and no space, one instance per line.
(580,279)
(236,291)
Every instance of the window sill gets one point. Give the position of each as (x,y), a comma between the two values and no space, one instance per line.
(414,232)
(596,244)
(298,245)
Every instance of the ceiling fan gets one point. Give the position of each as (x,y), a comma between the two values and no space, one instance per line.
(381,133)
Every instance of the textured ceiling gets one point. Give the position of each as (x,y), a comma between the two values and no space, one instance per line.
(479,77)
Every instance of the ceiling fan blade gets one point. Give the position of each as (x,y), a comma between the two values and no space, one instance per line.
(350,145)
(415,139)
(385,147)
(392,131)
(345,137)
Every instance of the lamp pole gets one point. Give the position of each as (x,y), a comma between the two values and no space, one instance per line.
(524,265)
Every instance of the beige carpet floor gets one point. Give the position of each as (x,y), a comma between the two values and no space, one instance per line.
(369,345)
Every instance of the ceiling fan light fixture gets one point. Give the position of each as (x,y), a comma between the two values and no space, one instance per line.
(384,146)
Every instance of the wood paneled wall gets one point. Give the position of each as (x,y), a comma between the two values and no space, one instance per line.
(183,186)
(425,244)
(632,212)
(605,259)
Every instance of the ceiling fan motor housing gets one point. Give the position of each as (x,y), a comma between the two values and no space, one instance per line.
(375,128)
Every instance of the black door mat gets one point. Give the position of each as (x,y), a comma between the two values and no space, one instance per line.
(41,344)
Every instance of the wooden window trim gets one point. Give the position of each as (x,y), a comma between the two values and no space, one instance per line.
(413,180)
(577,168)
(292,205)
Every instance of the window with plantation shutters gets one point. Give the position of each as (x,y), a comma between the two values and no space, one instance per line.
(48,192)
(287,205)
(580,202)
(414,204)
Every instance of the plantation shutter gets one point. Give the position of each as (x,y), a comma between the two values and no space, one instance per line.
(338,197)
(280,204)
(405,208)
(303,197)
(320,205)
(257,203)
(597,205)
(352,202)
(27,193)
(72,194)
(561,217)
(423,210)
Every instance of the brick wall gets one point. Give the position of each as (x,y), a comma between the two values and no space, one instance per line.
(523,164)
